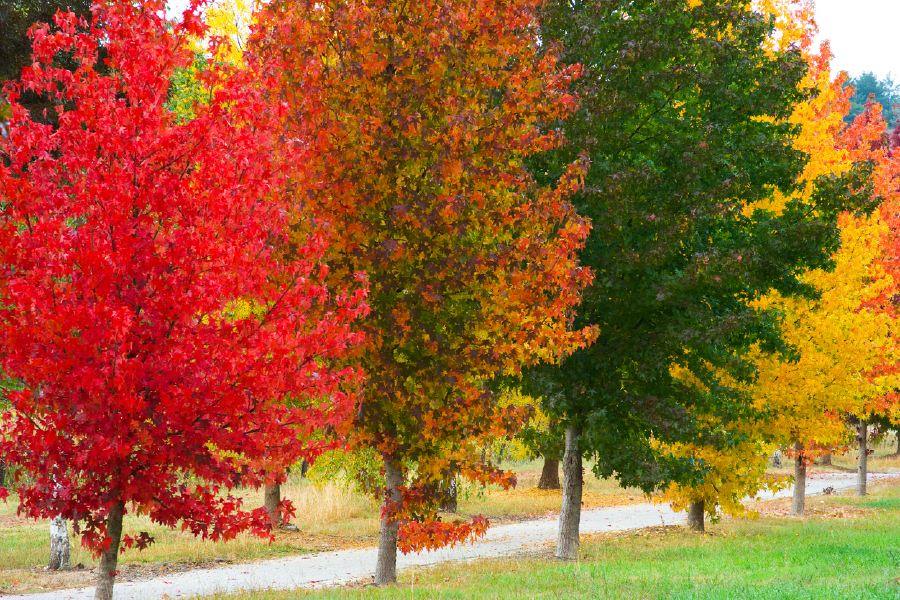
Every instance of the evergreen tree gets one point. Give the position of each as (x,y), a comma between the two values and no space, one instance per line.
(884,91)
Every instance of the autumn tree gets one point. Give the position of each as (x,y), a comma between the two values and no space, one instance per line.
(126,240)
(16,18)
(684,110)
(231,19)
(422,113)
(805,401)
(838,336)
(866,138)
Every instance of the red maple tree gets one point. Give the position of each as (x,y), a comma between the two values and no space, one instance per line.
(423,115)
(128,241)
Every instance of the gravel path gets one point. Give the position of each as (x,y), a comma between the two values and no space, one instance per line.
(334,568)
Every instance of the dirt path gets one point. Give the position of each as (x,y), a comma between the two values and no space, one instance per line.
(335,568)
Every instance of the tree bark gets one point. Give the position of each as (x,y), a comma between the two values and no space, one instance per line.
(106,572)
(862,471)
(824,459)
(59,545)
(570,516)
(549,475)
(2,473)
(696,516)
(501,453)
(450,502)
(272,502)
(798,505)
(386,563)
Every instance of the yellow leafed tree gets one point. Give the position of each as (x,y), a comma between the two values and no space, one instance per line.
(231,19)
(839,342)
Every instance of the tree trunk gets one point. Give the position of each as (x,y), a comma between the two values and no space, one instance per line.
(570,516)
(450,504)
(386,563)
(798,505)
(2,473)
(824,460)
(549,474)
(272,501)
(106,572)
(776,459)
(59,545)
(861,437)
(501,453)
(696,516)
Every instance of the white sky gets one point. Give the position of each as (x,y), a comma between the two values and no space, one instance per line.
(864,35)
(176,7)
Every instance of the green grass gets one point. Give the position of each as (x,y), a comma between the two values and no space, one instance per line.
(768,559)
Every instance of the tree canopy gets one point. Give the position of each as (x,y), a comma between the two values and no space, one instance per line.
(127,241)
(423,113)
(685,114)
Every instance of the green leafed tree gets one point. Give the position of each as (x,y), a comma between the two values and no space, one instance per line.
(684,113)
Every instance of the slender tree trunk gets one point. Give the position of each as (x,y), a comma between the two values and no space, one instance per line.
(862,471)
(59,542)
(272,502)
(106,572)
(570,516)
(549,474)
(501,453)
(2,473)
(451,493)
(798,505)
(386,563)
(696,516)
(897,453)
(59,545)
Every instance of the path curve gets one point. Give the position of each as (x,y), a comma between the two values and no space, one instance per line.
(334,568)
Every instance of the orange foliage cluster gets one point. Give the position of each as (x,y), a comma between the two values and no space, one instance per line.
(416,119)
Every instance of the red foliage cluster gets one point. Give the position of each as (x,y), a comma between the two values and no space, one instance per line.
(127,242)
(434,534)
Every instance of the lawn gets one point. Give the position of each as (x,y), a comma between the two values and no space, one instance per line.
(333,517)
(850,550)
(329,517)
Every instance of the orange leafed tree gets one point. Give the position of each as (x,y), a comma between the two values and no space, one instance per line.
(420,115)
(867,139)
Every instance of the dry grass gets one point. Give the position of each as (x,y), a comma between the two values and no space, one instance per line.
(882,460)
(527,501)
(332,509)
(329,517)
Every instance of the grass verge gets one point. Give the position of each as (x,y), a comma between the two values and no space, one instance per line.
(850,550)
